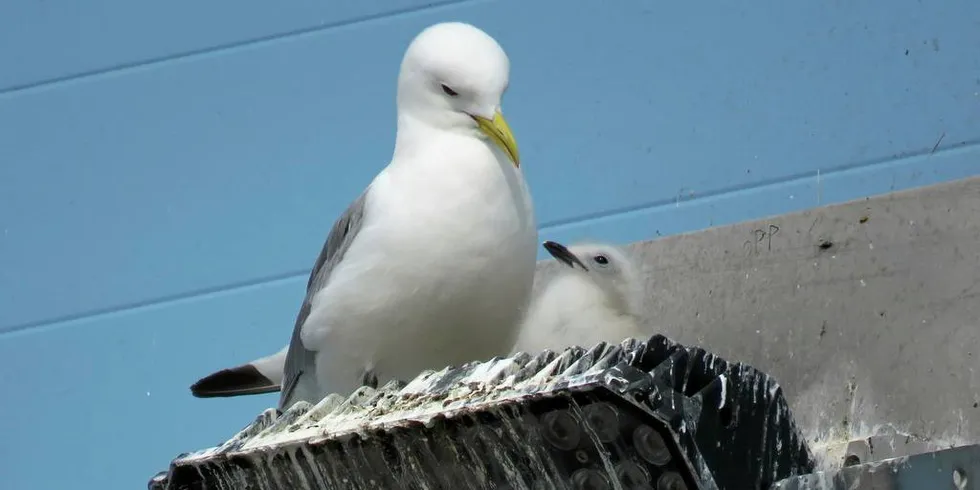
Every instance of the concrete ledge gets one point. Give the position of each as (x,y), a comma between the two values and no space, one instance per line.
(867,312)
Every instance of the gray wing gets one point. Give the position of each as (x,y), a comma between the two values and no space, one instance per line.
(299,377)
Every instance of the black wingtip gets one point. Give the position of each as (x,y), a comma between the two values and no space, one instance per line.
(236,381)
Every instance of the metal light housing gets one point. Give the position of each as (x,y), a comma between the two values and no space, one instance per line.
(651,415)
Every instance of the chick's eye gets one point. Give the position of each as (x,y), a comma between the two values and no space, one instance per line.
(600,259)
(450,92)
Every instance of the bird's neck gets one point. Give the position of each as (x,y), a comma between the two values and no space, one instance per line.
(414,131)
(411,131)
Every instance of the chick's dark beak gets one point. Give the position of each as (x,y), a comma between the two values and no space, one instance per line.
(563,255)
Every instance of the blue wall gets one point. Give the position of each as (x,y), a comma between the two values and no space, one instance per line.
(168,170)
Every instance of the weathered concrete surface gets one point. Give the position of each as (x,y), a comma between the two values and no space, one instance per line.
(867,312)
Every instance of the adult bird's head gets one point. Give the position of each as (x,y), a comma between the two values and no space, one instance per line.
(605,265)
(453,77)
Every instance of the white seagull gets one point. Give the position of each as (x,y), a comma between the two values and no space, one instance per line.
(432,265)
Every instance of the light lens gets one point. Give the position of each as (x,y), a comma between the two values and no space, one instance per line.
(633,476)
(671,480)
(604,421)
(560,430)
(650,445)
(586,479)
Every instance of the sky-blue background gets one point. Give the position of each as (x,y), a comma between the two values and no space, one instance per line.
(168,170)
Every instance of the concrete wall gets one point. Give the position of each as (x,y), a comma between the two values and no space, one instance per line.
(168,170)
(867,313)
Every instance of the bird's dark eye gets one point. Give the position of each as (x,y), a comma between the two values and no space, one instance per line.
(450,92)
(600,259)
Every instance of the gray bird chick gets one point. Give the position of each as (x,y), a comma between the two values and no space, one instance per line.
(595,297)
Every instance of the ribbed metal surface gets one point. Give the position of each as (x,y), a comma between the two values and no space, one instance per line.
(446,393)
(314,446)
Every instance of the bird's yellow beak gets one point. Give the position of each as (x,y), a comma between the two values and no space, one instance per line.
(499,132)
